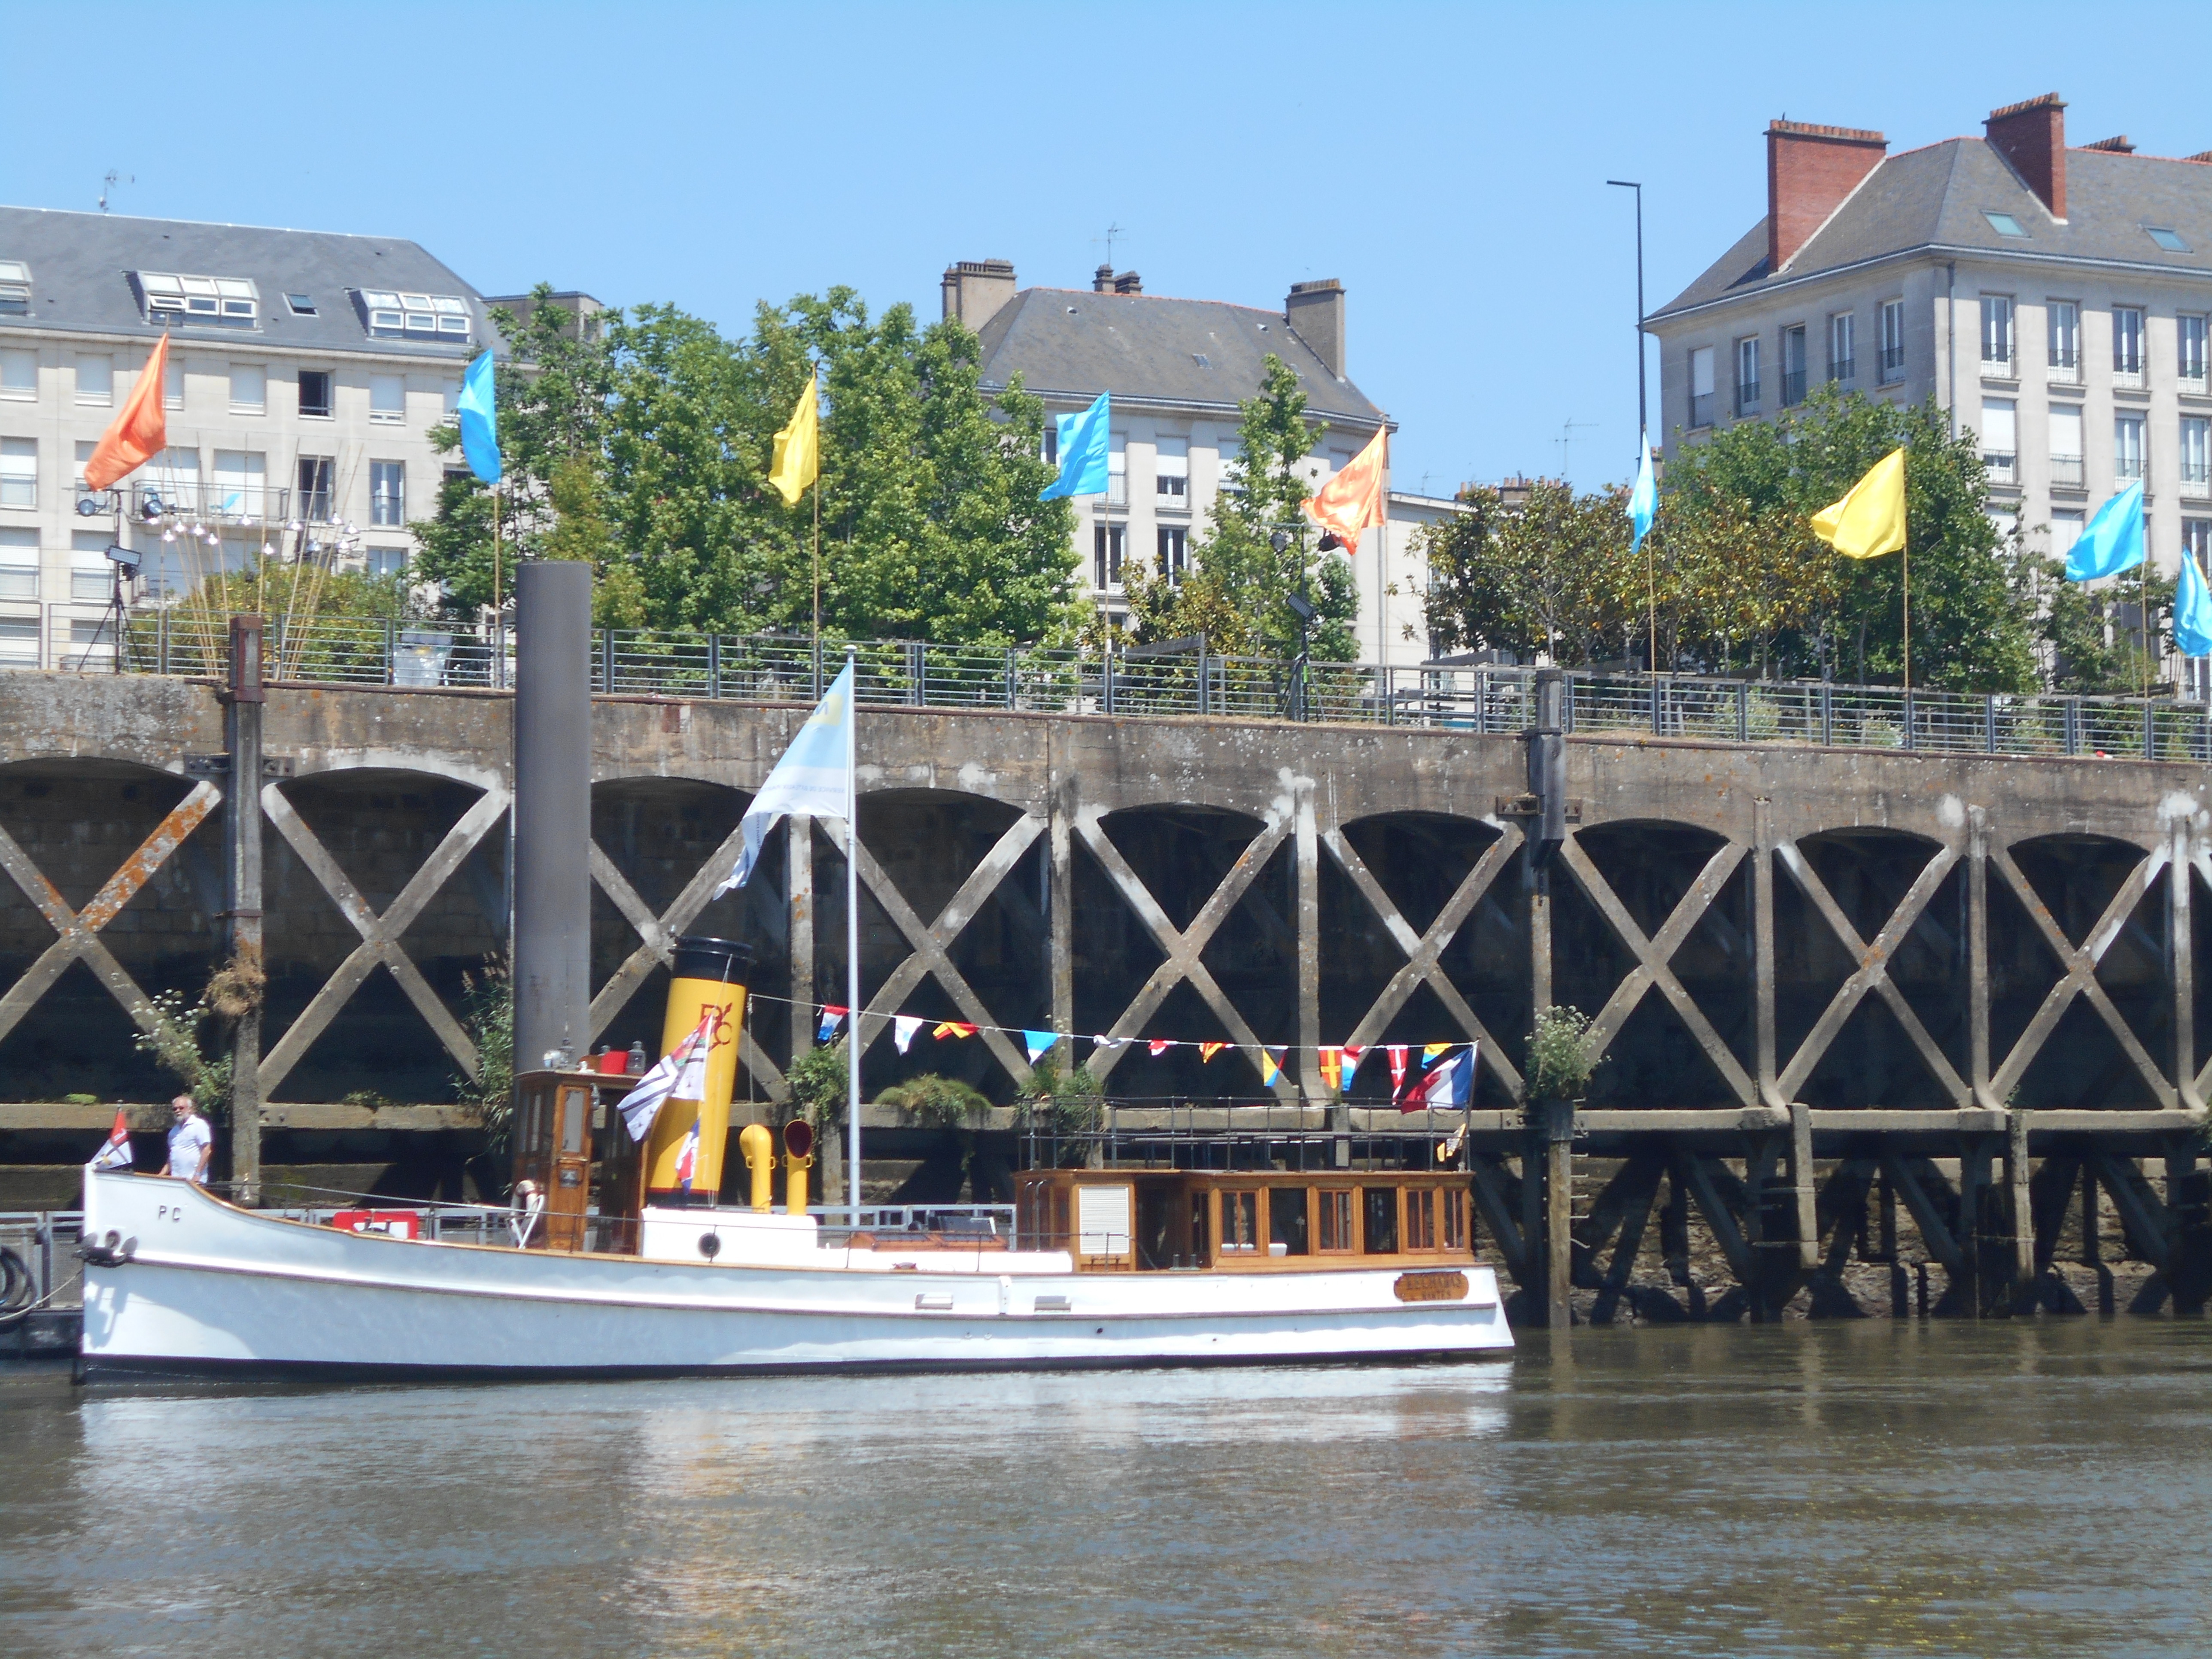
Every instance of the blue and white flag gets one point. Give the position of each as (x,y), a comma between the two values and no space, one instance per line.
(2192,610)
(479,411)
(1084,442)
(2113,541)
(1039,1043)
(812,777)
(1643,499)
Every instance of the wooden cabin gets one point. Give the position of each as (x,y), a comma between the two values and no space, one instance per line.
(1245,1221)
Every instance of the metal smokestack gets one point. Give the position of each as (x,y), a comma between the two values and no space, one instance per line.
(552,811)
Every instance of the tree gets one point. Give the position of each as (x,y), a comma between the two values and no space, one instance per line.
(1239,588)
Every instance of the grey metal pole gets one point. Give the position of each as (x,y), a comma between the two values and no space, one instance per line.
(552,811)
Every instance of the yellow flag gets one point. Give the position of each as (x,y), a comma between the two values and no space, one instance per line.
(1871,521)
(796,449)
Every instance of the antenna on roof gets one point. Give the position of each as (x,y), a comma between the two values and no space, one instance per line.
(108,184)
(1112,231)
(1566,442)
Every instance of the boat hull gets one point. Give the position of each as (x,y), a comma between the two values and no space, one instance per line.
(208,1288)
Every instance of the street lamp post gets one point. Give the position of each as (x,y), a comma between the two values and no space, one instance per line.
(1643,415)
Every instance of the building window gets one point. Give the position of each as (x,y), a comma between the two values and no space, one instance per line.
(2127,345)
(92,578)
(249,389)
(1227,478)
(2189,351)
(231,302)
(1175,551)
(381,562)
(1793,366)
(387,400)
(95,379)
(2066,525)
(19,375)
(14,289)
(1842,341)
(2064,317)
(302,305)
(2196,455)
(1171,485)
(1117,472)
(1051,450)
(1109,543)
(2066,470)
(2127,447)
(1891,343)
(395,315)
(2000,439)
(315,393)
(19,563)
(173,384)
(1996,334)
(388,493)
(1746,377)
(1701,386)
(314,477)
(241,478)
(19,473)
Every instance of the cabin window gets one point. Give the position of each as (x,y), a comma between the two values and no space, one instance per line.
(1200,1202)
(1286,1222)
(1335,1218)
(572,1120)
(1454,1219)
(1382,1219)
(1421,1218)
(1240,1221)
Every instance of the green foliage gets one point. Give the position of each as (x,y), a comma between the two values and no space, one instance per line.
(1560,1063)
(187,1041)
(1065,1102)
(2094,631)
(1239,586)
(488,1014)
(817,1082)
(931,1102)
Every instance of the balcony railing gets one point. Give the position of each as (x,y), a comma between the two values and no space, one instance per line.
(1892,364)
(1701,408)
(2067,473)
(2196,480)
(1793,387)
(1999,464)
(1747,397)
(2000,368)
(2065,373)
(1848,369)
(218,501)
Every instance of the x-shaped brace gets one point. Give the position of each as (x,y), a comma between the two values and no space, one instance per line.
(2080,978)
(379,934)
(1871,975)
(1653,955)
(78,932)
(1425,952)
(1184,946)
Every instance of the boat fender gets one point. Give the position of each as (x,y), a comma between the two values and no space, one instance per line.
(710,1245)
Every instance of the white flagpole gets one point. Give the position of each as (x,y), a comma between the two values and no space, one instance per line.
(853,937)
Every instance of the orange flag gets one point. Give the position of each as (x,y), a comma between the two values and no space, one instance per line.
(1354,498)
(140,430)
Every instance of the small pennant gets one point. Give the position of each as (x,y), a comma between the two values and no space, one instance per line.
(953,1028)
(1207,1050)
(1271,1066)
(1039,1043)
(1160,1046)
(1397,1055)
(1353,1054)
(832,1017)
(903,1026)
(1433,1052)
(1331,1069)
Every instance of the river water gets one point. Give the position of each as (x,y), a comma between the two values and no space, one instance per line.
(2038,1487)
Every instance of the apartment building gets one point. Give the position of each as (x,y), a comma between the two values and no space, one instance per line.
(305,372)
(2054,300)
(1177,369)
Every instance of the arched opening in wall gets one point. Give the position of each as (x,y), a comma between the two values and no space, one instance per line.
(77,823)
(386,833)
(2076,1059)
(1869,1057)
(1651,869)
(1179,856)
(1421,862)
(929,845)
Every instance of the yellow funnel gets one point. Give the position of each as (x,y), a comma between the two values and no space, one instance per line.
(710,974)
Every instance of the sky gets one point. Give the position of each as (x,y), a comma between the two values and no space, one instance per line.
(1447,163)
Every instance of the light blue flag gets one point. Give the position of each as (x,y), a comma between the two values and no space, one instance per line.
(2192,610)
(479,415)
(1039,1043)
(812,776)
(1083,442)
(1643,499)
(2113,541)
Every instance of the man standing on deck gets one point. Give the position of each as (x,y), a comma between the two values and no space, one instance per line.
(191,1142)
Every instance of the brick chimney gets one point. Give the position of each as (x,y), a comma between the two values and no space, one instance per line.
(975,291)
(1809,170)
(2117,146)
(2031,135)
(1314,312)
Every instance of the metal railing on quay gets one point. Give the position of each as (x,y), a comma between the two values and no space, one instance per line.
(39,1268)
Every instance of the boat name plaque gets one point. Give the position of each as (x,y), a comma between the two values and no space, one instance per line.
(1431,1287)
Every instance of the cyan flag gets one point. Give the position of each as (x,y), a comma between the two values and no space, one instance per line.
(1643,499)
(2113,541)
(479,414)
(811,777)
(1085,440)
(2192,610)
(1039,1043)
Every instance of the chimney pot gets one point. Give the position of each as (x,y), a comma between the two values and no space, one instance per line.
(1102,279)
(1314,312)
(2031,135)
(1809,170)
(2117,145)
(976,290)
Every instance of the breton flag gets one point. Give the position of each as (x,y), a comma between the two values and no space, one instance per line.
(115,1152)
(2113,541)
(1869,521)
(798,447)
(1083,442)
(477,412)
(1447,1084)
(140,430)
(668,1081)
(1354,499)
(811,777)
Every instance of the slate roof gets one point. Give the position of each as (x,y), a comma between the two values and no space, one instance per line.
(1147,349)
(1935,199)
(79,264)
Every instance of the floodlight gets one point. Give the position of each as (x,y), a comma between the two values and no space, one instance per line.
(125,559)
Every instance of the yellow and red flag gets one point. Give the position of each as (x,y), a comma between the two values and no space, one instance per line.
(1207,1050)
(140,430)
(1355,498)
(953,1028)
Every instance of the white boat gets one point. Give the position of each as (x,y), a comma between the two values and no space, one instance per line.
(1111,1269)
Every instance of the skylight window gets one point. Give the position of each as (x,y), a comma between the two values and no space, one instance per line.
(303,305)
(14,289)
(222,300)
(392,314)
(2004,224)
(2165,239)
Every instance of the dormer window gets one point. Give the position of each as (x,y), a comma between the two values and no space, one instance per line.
(14,289)
(221,302)
(394,313)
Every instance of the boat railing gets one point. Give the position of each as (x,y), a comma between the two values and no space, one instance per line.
(38,1267)
(986,1226)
